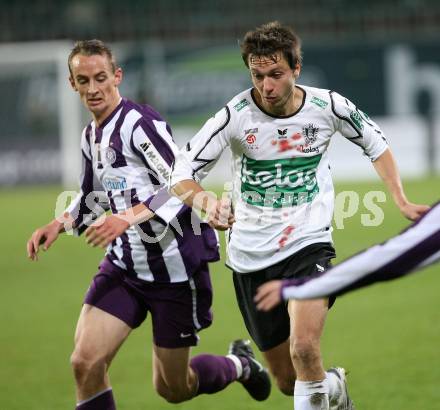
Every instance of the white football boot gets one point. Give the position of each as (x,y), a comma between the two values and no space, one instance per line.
(340,401)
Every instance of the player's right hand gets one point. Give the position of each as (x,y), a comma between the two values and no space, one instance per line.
(46,235)
(220,216)
(413,212)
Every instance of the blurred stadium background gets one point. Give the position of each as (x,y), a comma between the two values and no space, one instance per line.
(183,58)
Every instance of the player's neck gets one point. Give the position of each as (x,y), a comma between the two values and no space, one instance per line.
(100,118)
(293,103)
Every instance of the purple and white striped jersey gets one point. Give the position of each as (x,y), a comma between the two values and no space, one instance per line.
(127,160)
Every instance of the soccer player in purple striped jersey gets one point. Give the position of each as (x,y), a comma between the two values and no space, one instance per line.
(415,248)
(155,260)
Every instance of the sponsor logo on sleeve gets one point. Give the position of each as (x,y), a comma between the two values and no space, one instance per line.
(356,117)
(243,103)
(319,102)
(155,159)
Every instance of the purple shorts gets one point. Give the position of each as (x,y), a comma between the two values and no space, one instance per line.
(178,310)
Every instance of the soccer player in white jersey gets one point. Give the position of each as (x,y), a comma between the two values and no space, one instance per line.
(417,247)
(282,202)
(155,262)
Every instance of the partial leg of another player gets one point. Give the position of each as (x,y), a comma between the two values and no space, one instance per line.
(179,312)
(97,339)
(281,369)
(177,378)
(173,379)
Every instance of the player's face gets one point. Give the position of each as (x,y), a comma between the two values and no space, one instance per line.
(96,83)
(274,81)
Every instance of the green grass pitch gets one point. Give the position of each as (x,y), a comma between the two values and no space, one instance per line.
(387,335)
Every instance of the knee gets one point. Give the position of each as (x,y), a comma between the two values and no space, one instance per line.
(305,351)
(84,364)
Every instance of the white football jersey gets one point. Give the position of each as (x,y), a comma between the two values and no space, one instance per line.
(283,193)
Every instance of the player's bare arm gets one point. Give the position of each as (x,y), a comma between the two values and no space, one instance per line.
(386,167)
(109,227)
(218,211)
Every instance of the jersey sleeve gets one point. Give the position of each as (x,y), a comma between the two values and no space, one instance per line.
(198,157)
(357,127)
(153,143)
(91,201)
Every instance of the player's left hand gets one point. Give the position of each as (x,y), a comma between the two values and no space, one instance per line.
(414,211)
(268,295)
(106,229)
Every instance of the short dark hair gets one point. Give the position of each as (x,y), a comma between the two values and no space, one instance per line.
(270,38)
(91,48)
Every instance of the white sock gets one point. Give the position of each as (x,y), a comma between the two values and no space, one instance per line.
(237,363)
(334,384)
(311,395)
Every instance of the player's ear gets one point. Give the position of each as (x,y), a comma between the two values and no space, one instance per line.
(72,83)
(118,76)
(296,70)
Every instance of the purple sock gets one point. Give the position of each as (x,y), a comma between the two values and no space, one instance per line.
(100,401)
(214,372)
